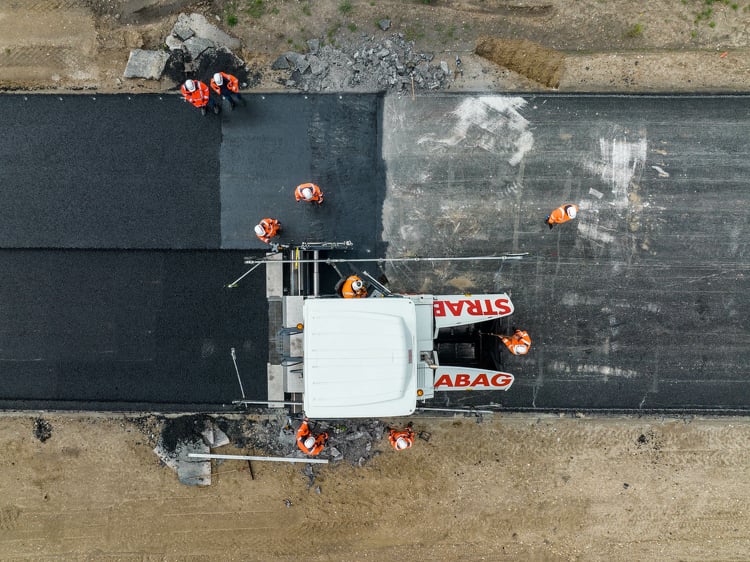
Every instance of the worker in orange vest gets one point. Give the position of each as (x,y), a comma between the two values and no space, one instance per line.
(308,192)
(197,93)
(519,343)
(228,87)
(267,229)
(561,215)
(401,439)
(353,288)
(309,443)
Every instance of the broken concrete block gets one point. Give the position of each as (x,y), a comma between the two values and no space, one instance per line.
(173,43)
(444,68)
(317,66)
(384,24)
(196,46)
(182,29)
(205,30)
(280,63)
(193,472)
(297,61)
(313,45)
(214,437)
(146,64)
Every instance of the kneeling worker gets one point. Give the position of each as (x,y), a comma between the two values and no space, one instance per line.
(402,439)
(309,443)
(309,192)
(353,288)
(267,229)
(519,343)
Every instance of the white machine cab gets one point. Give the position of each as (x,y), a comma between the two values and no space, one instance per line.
(360,357)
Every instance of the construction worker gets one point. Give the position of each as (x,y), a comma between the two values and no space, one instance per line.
(519,343)
(227,86)
(308,192)
(401,439)
(197,93)
(561,215)
(267,229)
(353,288)
(309,443)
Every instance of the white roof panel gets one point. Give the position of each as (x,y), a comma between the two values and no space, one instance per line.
(360,357)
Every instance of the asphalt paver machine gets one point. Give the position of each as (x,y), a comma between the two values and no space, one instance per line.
(371,357)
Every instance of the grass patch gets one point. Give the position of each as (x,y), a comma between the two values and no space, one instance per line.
(230,12)
(634,31)
(306,10)
(412,33)
(345,7)
(333,30)
(255,8)
(352,27)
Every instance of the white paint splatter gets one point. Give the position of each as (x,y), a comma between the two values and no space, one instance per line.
(605,370)
(595,193)
(661,172)
(575,299)
(619,161)
(591,232)
(492,123)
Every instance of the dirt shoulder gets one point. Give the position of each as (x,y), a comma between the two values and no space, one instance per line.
(613,46)
(512,487)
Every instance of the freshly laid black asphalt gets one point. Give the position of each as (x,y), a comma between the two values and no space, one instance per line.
(125,217)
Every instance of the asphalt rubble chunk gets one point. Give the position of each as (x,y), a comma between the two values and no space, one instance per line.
(369,65)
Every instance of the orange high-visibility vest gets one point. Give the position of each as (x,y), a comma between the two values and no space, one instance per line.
(317,194)
(231,82)
(407,435)
(519,343)
(320,441)
(271,228)
(348,292)
(560,215)
(199,98)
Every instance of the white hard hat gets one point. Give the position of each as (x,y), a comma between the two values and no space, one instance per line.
(219,79)
(309,442)
(572,212)
(190,85)
(259,230)
(521,349)
(401,443)
(307,193)
(357,285)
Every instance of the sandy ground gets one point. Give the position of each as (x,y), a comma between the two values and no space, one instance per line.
(613,45)
(508,488)
(511,487)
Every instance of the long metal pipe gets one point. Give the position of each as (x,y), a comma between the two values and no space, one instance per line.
(250,261)
(252,458)
(316,273)
(259,402)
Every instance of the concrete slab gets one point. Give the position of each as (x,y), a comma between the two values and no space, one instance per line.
(196,46)
(146,64)
(206,30)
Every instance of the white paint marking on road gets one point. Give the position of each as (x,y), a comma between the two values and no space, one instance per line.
(591,232)
(619,161)
(595,193)
(605,370)
(492,123)
(662,173)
